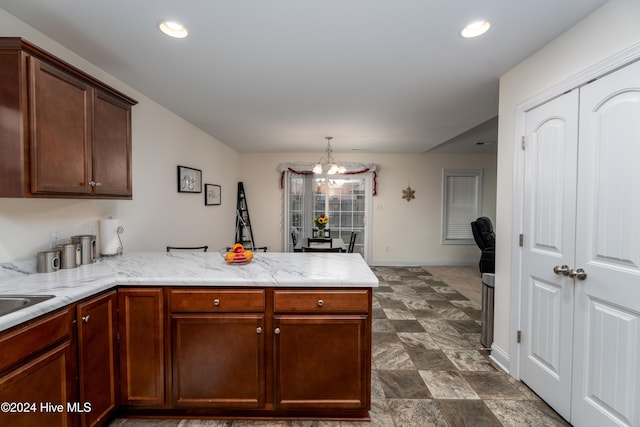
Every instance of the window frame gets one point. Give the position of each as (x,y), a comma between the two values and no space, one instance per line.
(477,174)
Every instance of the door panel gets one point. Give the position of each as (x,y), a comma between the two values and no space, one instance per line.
(549,237)
(607,336)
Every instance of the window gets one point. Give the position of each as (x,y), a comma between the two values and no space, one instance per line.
(344,198)
(462,204)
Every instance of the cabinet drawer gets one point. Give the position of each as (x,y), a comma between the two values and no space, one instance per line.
(217,300)
(34,337)
(321,301)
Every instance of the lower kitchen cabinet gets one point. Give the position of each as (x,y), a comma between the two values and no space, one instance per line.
(321,362)
(142,347)
(38,373)
(218,348)
(218,360)
(98,358)
(322,349)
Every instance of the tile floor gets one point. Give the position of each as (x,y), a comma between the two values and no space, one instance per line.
(428,365)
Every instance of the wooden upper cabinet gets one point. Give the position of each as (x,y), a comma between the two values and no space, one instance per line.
(111,145)
(65,133)
(60,120)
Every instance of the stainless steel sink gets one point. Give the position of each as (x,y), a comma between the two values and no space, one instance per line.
(11,303)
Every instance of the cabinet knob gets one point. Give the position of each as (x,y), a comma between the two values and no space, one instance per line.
(86,318)
(92,183)
(258,330)
(277,331)
(216,302)
(320,303)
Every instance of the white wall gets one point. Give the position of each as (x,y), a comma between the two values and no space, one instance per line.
(411,230)
(607,31)
(157,215)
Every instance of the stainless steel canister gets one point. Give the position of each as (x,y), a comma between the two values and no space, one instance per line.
(48,261)
(70,255)
(87,244)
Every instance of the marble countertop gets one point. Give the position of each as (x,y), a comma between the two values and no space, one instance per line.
(270,269)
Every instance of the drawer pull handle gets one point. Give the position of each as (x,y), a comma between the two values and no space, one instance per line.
(258,330)
(86,318)
(320,303)
(216,302)
(277,331)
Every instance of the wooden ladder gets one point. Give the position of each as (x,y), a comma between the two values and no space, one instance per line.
(244,233)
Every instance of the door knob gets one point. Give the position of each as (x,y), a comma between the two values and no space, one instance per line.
(563,270)
(579,274)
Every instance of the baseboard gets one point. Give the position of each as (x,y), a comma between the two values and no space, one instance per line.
(406,263)
(500,357)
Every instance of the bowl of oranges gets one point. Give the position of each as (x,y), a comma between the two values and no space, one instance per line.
(238,255)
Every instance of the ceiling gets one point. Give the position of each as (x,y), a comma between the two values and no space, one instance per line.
(388,76)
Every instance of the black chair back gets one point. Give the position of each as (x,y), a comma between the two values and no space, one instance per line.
(352,242)
(294,238)
(187,248)
(312,249)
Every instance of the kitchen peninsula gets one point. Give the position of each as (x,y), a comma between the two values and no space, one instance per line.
(285,336)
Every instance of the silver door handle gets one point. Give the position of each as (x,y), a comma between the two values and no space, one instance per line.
(563,270)
(579,274)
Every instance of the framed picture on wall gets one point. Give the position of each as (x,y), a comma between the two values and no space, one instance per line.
(189,180)
(212,194)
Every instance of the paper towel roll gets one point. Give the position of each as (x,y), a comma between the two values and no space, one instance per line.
(109,239)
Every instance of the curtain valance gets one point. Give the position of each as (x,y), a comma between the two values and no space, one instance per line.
(306,168)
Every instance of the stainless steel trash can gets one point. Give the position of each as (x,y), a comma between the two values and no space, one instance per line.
(488,289)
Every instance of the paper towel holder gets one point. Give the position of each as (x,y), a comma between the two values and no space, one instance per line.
(120,248)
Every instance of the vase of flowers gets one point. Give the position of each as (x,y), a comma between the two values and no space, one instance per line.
(321,222)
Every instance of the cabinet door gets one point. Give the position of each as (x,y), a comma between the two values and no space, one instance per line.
(141,328)
(111,146)
(59,127)
(322,361)
(97,357)
(218,360)
(44,387)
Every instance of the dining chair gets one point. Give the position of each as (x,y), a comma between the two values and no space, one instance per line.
(294,238)
(312,249)
(187,248)
(352,242)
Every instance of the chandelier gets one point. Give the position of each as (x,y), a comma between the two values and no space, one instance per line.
(327,165)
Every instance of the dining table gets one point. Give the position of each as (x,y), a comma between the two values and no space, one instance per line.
(316,242)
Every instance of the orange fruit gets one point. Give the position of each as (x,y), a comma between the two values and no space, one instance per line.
(229,256)
(237,247)
(248,254)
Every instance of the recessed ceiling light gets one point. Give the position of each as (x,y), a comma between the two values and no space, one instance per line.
(173,29)
(475,29)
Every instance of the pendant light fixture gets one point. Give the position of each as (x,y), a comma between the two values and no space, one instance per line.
(327,165)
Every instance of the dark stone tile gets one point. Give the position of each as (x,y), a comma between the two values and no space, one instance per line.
(387,302)
(403,385)
(425,314)
(493,385)
(407,326)
(433,360)
(466,326)
(416,412)
(471,413)
(382,289)
(384,338)
(378,313)
(525,413)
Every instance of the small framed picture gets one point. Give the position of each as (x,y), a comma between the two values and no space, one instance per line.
(189,180)
(212,194)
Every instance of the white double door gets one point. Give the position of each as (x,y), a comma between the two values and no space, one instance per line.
(580,280)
